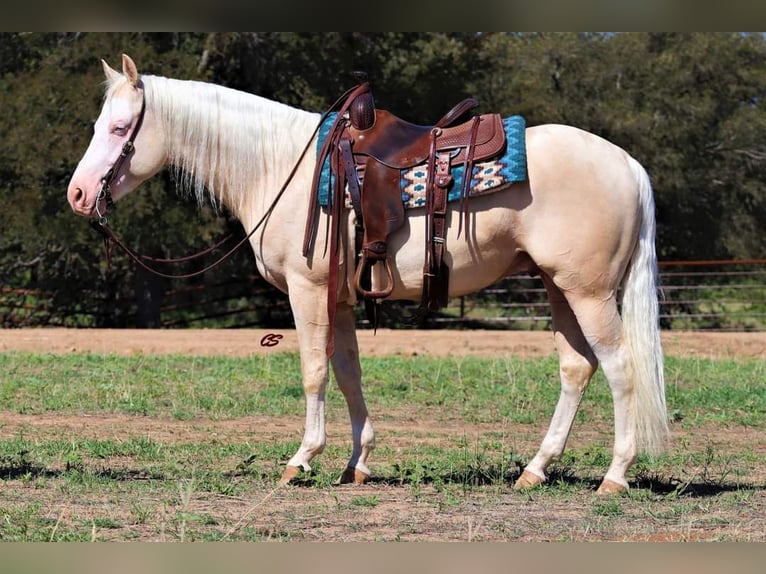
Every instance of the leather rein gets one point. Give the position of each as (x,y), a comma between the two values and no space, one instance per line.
(100,222)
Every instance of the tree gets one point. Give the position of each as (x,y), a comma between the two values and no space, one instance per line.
(689,107)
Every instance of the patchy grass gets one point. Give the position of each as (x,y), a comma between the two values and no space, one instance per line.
(100,447)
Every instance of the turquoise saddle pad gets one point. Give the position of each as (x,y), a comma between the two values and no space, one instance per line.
(486,176)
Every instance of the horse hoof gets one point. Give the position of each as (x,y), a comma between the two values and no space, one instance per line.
(290,473)
(527,480)
(611,487)
(353,476)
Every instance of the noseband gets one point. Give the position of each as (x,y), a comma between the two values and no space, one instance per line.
(105,192)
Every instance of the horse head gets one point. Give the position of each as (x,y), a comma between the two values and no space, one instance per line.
(126,148)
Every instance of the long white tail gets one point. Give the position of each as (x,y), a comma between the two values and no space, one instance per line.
(640,317)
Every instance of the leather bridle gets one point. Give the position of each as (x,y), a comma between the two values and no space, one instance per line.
(105,193)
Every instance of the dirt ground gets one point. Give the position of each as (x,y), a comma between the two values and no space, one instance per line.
(396,512)
(243,342)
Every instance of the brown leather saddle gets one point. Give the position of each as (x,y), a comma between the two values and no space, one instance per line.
(367,148)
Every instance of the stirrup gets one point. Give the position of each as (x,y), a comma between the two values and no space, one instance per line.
(374,294)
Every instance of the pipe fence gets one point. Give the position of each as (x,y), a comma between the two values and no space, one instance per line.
(725,295)
(695,295)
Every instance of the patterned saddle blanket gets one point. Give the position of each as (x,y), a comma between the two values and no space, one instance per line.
(486,176)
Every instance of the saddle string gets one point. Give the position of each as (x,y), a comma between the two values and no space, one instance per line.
(467,175)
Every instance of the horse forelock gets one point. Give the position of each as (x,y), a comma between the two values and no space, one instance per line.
(221,141)
(110,86)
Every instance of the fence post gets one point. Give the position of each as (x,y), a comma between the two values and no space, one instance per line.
(149,292)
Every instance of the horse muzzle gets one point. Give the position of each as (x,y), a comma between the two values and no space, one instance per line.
(78,201)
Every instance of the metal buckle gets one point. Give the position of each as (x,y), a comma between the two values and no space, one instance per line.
(102,195)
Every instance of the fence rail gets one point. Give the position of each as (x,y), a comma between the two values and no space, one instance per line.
(699,295)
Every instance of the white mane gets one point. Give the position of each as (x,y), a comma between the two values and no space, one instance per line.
(224,141)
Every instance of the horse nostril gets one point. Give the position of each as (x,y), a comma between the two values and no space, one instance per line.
(77,198)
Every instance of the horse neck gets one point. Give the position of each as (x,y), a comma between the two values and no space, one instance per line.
(237,147)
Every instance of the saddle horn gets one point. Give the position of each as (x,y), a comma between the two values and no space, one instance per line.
(362,109)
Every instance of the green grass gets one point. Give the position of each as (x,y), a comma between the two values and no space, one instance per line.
(180,387)
(155,484)
(723,391)
(471,389)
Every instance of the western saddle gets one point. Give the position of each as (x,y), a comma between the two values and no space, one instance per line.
(367,149)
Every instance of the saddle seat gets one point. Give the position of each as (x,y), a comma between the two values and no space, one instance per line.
(399,144)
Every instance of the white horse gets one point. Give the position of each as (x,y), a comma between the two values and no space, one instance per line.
(584,221)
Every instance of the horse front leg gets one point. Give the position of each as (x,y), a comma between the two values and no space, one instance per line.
(348,374)
(313,330)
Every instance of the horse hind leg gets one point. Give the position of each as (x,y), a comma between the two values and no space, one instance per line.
(603,329)
(348,375)
(577,364)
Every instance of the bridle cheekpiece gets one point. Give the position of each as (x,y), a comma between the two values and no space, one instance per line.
(105,192)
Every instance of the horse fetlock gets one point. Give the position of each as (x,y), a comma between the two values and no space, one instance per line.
(303,457)
(368,441)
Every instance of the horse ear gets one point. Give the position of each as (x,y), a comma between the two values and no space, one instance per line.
(109,72)
(130,70)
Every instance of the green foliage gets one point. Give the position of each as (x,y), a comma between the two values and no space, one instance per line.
(689,106)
